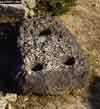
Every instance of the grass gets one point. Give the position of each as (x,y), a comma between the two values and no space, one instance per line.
(54,7)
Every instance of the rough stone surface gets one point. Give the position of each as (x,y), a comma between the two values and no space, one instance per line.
(53,62)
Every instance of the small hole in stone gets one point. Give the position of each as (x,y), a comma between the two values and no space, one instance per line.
(60,36)
(45,32)
(43,51)
(70,61)
(38,67)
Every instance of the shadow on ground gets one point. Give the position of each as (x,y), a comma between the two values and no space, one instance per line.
(94,90)
(10,57)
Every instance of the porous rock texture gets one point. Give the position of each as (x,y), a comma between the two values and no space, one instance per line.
(52,59)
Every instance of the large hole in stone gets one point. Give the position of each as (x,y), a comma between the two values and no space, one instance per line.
(45,32)
(37,67)
(10,56)
(70,60)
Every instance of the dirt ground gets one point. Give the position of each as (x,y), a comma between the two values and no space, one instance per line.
(83,20)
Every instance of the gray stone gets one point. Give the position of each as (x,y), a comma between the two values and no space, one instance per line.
(53,65)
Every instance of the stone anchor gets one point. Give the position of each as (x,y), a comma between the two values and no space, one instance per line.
(53,60)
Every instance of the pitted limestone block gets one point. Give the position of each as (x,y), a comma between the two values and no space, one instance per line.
(53,61)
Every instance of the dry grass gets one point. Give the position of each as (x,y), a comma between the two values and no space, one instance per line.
(84,21)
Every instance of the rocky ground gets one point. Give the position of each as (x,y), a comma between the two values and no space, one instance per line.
(83,20)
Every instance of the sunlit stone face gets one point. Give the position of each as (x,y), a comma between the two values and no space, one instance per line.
(53,57)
